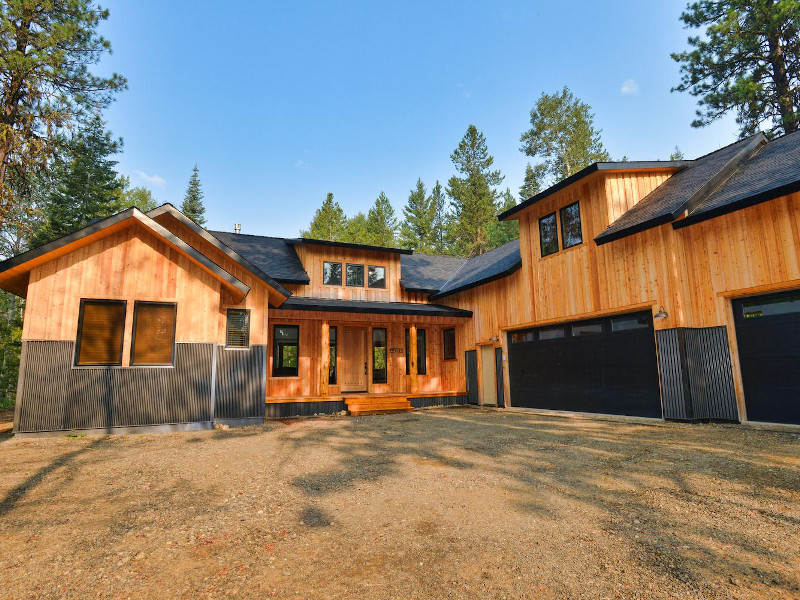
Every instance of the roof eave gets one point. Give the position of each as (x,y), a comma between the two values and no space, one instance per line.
(501,275)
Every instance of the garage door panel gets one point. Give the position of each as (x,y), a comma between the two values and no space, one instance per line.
(612,372)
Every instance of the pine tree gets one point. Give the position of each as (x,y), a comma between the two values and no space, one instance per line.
(439,230)
(192,205)
(532,184)
(472,197)
(416,230)
(85,186)
(329,222)
(137,196)
(357,230)
(382,223)
(504,231)
(677,154)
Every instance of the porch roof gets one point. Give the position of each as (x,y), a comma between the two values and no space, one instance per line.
(381,308)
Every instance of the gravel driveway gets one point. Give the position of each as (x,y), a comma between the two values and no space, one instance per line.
(450,503)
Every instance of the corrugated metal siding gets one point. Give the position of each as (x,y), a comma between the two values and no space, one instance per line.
(241,383)
(696,374)
(428,401)
(54,396)
(471,358)
(277,410)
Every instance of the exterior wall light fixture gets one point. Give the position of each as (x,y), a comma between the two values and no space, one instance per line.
(661,314)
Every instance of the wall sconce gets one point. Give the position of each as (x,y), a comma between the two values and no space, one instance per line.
(661,314)
(493,339)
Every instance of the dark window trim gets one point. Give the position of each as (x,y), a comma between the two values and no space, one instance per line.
(363,275)
(342,274)
(386,357)
(561,224)
(275,347)
(227,329)
(334,367)
(376,287)
(444,355)
(541,244)
(171,362)
(80,329)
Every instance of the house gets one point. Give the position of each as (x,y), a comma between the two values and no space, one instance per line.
(654,289)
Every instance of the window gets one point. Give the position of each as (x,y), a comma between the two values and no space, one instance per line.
(286,350)
(332,357)
(237,333)
(571,226)
(422,359)
(587,329)
(551,333)
(379,371)
(153,333)
(768,307)
(101,327)
(449,344)
(332,273)
(376,277)
(626,322)
(548,234)
(355,275)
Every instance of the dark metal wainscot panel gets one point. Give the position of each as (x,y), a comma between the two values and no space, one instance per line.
(240,384)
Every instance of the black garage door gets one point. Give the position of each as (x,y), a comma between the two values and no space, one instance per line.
(768,336)
(601,366)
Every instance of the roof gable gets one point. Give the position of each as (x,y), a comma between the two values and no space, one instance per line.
(272,255)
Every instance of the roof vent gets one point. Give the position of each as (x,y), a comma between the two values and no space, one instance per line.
(237,228)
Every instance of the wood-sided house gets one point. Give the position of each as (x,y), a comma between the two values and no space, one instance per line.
(655,289)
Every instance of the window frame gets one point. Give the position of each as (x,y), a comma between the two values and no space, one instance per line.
(136,304)
(561,225)
(376,287)
(79,333)
(276,352)
(363,275)
(385,370)
(341,272)
(227,329)
(422,365)
(542,253)
(444,344)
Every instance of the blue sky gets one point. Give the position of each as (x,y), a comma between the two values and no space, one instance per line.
(281,102)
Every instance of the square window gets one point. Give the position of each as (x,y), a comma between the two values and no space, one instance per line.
(571,226)
(355,275)
(376,277)
(332,273)
(101,327)
(548,234)
(153,333)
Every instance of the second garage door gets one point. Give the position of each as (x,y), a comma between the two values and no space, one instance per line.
(603,365)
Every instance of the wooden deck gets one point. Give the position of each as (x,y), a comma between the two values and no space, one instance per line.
(367,404)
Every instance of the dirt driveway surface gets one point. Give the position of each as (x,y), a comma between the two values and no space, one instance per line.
(451,503)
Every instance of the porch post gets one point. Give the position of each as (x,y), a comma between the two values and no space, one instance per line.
(325,359)
(412,357)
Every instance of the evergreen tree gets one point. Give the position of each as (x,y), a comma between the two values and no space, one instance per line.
(747,62)
(138,196)
(562,136)
(382,223)
(328,223)
(505,231)
(357,230)
(676,154)
(192,205)
(439,229)
(85,186)
(416,230)
(532,184)
(472,197)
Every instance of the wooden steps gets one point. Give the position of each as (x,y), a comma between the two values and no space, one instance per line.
(377,405)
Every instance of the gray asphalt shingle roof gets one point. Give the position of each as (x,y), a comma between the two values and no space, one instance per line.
(366,306)
(428,272)
(272,255)
(483,268)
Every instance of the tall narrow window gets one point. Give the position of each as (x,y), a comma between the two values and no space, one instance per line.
(571,226)
(101,327)
(332,273)
(355,275)
(449,344)
(286,350)
(153,333)
(379,371)
(376,277)
(422,351)
(237,332)
(332,356)
(548,234)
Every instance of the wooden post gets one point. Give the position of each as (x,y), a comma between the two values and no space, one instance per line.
(412,357)
(325,359)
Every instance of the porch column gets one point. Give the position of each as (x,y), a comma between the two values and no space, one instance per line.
(325,359)
(412,357)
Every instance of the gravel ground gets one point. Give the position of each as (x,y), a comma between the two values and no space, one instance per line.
(450,503)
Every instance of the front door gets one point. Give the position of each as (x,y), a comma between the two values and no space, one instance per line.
(353,359)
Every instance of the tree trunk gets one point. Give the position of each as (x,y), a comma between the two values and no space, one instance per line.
(782,87)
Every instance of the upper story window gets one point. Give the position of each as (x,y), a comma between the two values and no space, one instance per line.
(153,333)
(332,273)
(569,219)
(376,277)
(355,275)
(101,327)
